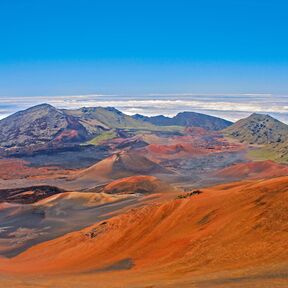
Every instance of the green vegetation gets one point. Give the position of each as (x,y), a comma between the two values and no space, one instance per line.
(108,117)
(277,153)
(261,154)
(114,119)
(143,130)
(107,135)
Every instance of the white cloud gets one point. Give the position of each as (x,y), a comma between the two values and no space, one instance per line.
(232,107)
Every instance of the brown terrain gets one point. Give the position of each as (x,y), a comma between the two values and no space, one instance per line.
(253,170)
(176,242)
(104,199)
(14,168)
(195,143)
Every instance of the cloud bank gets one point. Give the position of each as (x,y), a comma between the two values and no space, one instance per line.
(229,106)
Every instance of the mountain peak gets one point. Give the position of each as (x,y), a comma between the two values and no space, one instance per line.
(261,116)
(37,125)
(187,119)
(114,110)
(259,129)
(44,105)
(98,109)
(41,106)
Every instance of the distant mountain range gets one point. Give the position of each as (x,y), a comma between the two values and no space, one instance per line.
(44,123)
(187,119)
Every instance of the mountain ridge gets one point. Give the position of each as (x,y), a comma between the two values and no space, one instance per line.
(38,124)
(44,123)
(258,129)
(187,119)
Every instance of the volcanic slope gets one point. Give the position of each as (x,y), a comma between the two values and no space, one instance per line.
(53,216)
(108,117)
(39,125)
(24,225)
(119,165)
(252,170)
(187,119)
(44,123)
(137,184)
(258,129)
(241,226)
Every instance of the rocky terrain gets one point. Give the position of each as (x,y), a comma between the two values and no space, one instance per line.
(187,119)
(176,242)
(44,123)
(259,129)
(96,196)
(28,195)
(39,125)
(268,135)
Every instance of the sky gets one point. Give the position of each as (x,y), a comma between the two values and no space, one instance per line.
(143,48)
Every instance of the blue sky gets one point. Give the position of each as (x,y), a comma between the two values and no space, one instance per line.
(128,47)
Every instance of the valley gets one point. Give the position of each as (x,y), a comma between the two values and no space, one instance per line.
(142,201)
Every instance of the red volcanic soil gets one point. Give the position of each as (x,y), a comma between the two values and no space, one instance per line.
(67,135)
(191,148)
(137,184)
(253,170)
(101,169)
(230,227)
(17,169)
(166,149)
(122,164)
(191,145)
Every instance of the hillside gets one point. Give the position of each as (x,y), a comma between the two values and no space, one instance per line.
(252,170)
(187,240)
(38,125)
(258,129)
(280,151)
(28,195)
(137,184)
(108,118)
(44,124)
(187,119)
(25,223)
(122,164)
(277,152)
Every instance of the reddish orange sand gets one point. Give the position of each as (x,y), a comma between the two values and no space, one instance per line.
(101,169)
(253,170)
(18,169)
(119,165)
(137,184)
(188,146)
(238,229)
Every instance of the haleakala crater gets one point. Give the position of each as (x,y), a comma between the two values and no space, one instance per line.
(143,144)
(141,202)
